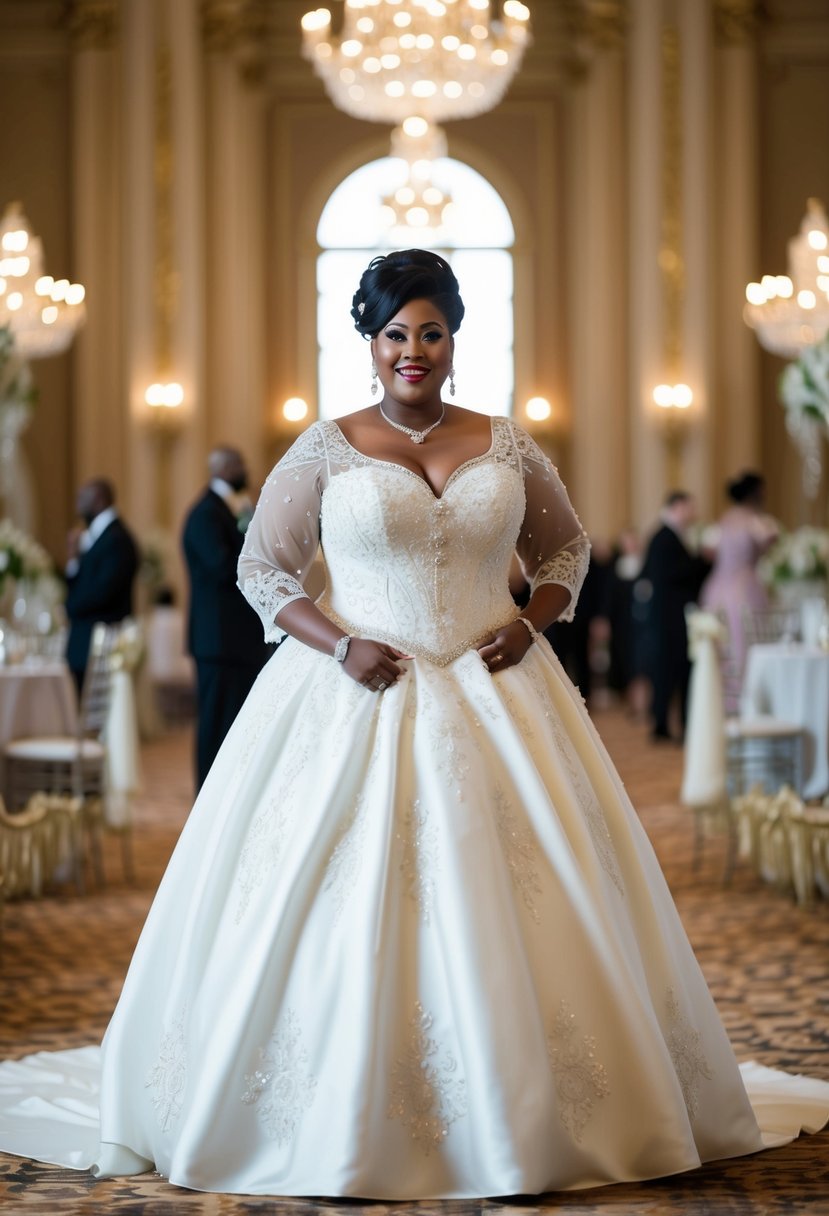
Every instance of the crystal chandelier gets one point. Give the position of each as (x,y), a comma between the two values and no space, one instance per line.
(441,59)
(790,312)
(43,313)
(417,63)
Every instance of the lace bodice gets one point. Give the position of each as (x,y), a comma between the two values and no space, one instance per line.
(427,574)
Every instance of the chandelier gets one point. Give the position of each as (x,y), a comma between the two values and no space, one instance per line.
(790,312)
(416,63)
(441,59)
(43,313)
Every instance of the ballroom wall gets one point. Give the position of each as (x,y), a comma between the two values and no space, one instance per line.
(175,159)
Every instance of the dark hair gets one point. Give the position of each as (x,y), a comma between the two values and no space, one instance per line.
(676,496)
(745,487)
(393,279)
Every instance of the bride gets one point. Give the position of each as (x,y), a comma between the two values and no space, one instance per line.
(413,941)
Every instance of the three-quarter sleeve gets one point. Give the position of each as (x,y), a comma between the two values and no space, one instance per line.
(283,537)
(552,546)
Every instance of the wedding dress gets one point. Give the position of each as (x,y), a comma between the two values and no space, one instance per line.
(415,944)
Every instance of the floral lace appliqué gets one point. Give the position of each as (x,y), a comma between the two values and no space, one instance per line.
(267,591)
(567,568)
(520,852)
(580,1079)
(347,858)
(587,800)
(281,1087)
(261,851)
(420,860)
(685,1045)
(168,1076)
(428,1095)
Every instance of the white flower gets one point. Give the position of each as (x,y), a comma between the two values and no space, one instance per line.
(802,554)
(804,385)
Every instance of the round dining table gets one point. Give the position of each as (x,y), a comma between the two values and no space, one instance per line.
(790,681)
(37,697)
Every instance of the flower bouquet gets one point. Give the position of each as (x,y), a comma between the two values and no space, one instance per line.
(797,565)
(804,391)
(30,591)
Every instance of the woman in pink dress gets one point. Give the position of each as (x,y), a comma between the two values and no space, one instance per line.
(743,535)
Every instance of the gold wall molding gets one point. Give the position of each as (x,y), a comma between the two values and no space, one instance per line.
(93,24)
(592,26)
(242,29)
(736,21)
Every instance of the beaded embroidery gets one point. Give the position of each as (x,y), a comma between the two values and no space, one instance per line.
(580,1079)
(428,1095)
(168,1076)
(685,1046)
(281,1087)
(420,861)
(520,852)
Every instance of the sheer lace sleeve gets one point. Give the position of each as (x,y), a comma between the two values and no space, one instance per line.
(552,546)
(282,540)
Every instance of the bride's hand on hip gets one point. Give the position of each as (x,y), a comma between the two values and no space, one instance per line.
(372,664)
(506,648)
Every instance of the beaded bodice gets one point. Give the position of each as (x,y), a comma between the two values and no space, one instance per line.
(427,574)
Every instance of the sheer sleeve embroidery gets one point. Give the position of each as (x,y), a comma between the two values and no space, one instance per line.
(552,546)
(282,540)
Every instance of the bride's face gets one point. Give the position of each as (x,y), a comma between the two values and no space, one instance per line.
(413,352)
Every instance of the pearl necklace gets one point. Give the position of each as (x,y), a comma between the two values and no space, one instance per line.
(415,436)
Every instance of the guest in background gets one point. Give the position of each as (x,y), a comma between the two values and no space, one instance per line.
(102,560)
(674,575)
(224,632)
(743,535)
(575,642)
(626,675)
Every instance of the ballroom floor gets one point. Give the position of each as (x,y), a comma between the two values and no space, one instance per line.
(766,960)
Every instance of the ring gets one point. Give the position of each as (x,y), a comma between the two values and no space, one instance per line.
(496,658)
(382,685)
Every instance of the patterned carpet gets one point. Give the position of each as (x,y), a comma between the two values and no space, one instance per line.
(766,960)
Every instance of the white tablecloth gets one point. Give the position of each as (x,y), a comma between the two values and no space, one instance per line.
(791,682)
(35,699)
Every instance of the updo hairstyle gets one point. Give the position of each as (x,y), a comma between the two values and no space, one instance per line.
(392,280)
(746,488)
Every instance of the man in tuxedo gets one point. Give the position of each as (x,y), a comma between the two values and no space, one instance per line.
(674,575)
(101,566)
(224,633)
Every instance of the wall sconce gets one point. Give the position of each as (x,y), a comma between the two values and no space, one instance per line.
(538,409)
(164,397)
(674,401)
(295,409)
(164,401)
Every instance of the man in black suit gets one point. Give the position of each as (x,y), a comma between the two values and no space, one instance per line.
(224,633)
(674,575)
(101,567)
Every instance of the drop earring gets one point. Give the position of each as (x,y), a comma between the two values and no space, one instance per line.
(373,378)
(451,382)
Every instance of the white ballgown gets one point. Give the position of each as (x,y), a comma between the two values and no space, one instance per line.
(415,944)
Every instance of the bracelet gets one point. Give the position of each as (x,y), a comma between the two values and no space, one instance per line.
(534,634)
(341,649)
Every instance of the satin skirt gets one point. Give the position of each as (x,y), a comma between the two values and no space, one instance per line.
(411,945)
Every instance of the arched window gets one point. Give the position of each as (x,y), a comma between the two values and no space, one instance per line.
(477,243)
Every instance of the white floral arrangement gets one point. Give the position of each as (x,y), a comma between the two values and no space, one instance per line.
(799,555)
(21,557)
(15,378)
(128,649)
(804,384)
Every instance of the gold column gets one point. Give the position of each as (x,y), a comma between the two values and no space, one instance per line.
(164,418)
(671,262)
(99,423)
(596,286)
